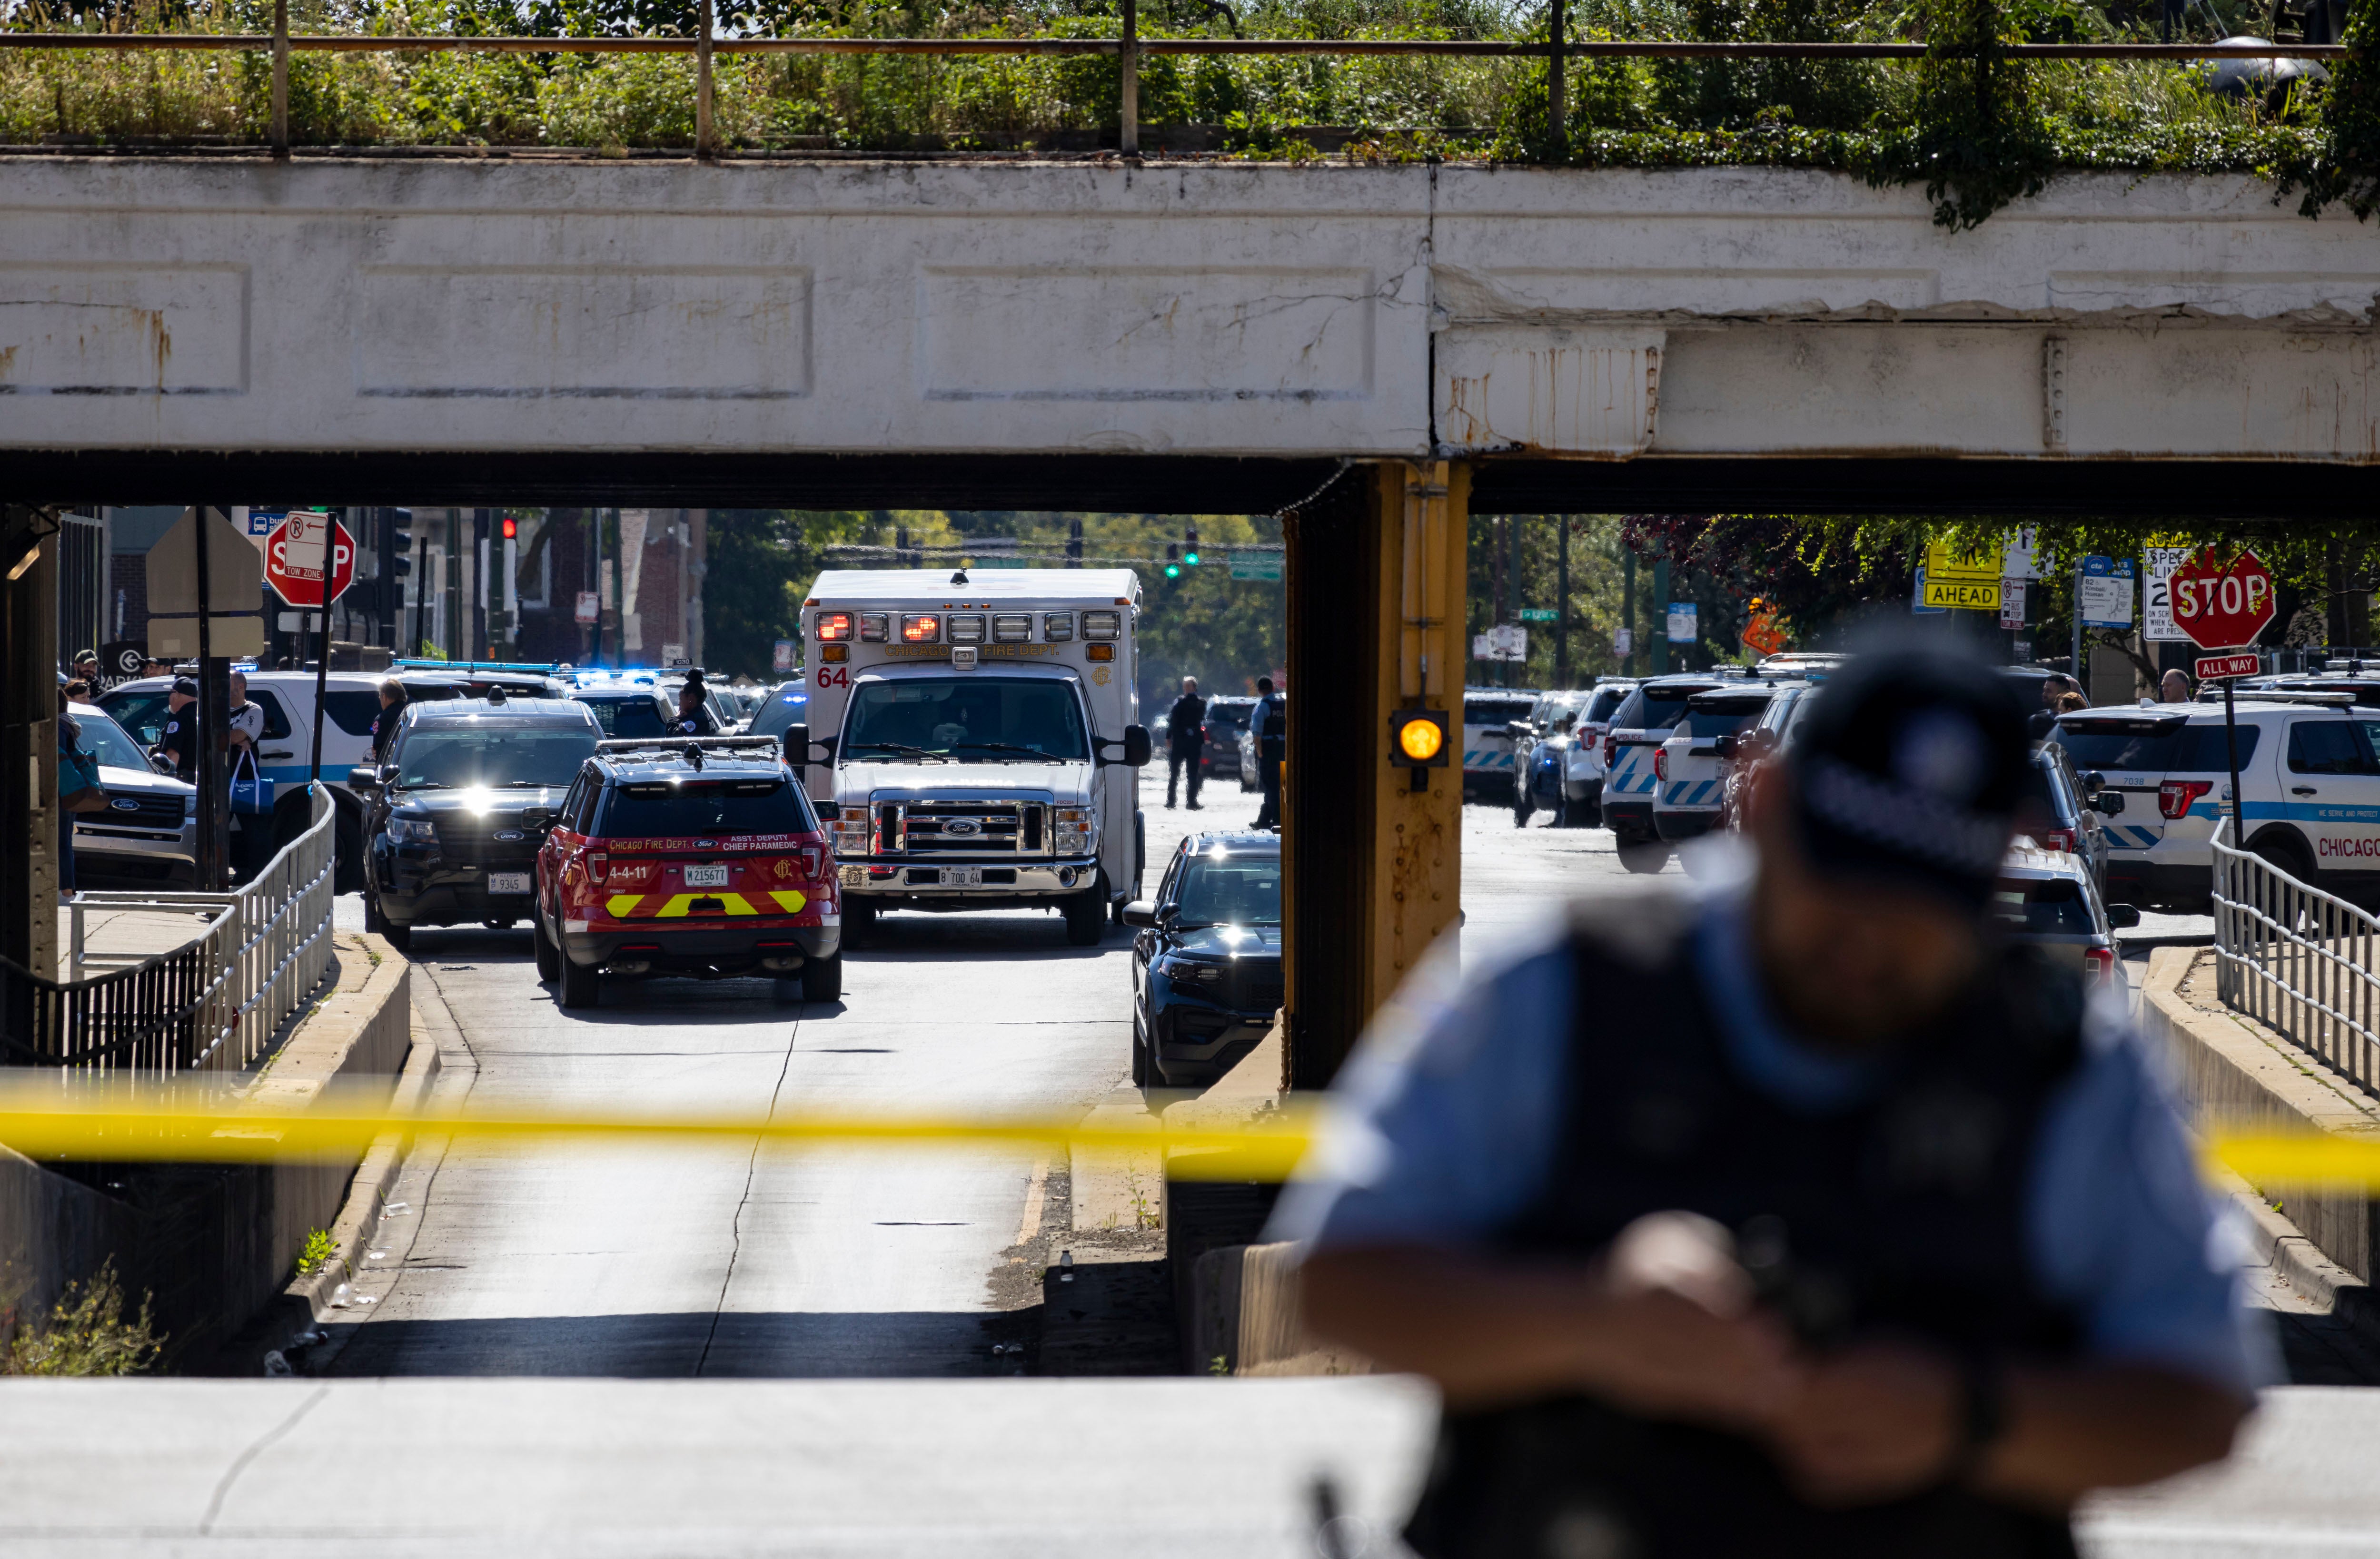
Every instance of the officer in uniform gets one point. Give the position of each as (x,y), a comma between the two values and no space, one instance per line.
(1272,723)
(1185,742)
(1796,1215)
(180,740)
(694,717)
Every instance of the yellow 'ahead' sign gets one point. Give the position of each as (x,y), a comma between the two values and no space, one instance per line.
(1963,580)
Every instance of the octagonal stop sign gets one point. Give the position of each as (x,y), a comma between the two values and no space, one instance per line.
(294,564)
(2220,604)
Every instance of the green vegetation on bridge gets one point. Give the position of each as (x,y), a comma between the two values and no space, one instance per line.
(1974,143)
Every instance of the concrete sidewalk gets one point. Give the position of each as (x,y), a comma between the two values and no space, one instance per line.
(115,933)
(1182,1469)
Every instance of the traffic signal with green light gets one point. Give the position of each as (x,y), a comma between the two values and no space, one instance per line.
(1173,569)
(1189,545)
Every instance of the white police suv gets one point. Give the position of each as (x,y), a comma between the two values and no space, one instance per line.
(1637,729)
(2307,765)
(1690,766)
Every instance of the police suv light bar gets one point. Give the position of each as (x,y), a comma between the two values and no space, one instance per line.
(675,747)
(543,669)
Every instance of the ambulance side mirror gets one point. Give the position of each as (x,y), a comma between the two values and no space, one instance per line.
(797,740)
(1135,745)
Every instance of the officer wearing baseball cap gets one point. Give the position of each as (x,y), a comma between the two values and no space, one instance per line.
(1796,1215)
(180,739)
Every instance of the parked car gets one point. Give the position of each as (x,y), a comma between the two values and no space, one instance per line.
(463,804)
(1488,717)
(1227,719)
(1749,754)
(2058,810)
(1549,722)
(2307,762)
(1691,764)
(786,705)
(2046,899)
(1637,729)
(147,837)
(1206,959)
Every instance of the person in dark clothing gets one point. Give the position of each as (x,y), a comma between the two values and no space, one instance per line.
(180,740)
(2042,722)
(393,700)
(1796,1212)
(1271,722)
(694,716)
(1185,742)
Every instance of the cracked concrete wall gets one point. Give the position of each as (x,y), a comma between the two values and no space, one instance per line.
(955,307)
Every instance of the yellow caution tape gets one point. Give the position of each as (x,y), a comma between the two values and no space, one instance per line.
(121,1126)
(48,1122)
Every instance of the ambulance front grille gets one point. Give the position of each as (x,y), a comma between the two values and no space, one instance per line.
(961,827)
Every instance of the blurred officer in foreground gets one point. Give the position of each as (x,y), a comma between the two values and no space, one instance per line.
(1800,1215)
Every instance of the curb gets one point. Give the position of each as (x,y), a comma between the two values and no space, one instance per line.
(359,1216)
(2242,1075)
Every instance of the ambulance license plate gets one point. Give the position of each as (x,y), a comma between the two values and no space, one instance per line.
(507,882)
(707,876)
(962,877)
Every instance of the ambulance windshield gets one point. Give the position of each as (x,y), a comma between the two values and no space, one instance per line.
(967,720)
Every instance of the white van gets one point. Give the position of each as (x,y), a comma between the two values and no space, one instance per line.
(975,743)
(2308,766)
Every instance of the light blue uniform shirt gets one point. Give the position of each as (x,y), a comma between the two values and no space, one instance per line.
(1446,1126)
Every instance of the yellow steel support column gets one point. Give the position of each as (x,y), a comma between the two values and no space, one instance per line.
(1375,580)
(1417,835)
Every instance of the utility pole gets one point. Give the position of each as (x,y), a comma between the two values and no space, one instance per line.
(479,650)
(1561,603)
(456,626)
(619,596)
(1658,611)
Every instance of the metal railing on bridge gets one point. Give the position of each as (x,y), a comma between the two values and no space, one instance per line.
(1128,50)
(2298,961)
(211,1004)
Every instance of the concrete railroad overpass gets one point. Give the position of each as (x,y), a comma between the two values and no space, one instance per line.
(1189,338)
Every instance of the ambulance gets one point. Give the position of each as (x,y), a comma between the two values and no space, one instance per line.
(975,742)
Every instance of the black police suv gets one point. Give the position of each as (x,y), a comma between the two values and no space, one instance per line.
(1205,965)
(460,808)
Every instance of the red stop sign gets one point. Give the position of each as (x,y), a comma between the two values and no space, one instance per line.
(294,561)
(2222,605)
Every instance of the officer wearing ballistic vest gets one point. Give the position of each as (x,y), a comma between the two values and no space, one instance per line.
(1798,1215)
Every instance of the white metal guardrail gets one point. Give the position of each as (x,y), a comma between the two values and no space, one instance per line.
(2299,961)
(216,1002)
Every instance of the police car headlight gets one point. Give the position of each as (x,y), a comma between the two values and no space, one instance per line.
(851,835)
(1073,827)
(1174,967)
(190,804)
(412,830)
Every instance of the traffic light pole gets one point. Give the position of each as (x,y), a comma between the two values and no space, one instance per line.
(322,664)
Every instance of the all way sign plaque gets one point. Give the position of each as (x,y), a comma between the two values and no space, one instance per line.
(2217,668)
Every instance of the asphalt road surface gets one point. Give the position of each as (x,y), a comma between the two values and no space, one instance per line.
(826,1262)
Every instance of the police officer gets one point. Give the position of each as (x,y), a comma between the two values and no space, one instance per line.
(1796,1216)
(1185,742)
(180,740)
(694,717)
(393,700)
(1272,723)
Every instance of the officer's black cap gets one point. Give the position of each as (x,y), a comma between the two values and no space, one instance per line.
(1909,768)
(187,687)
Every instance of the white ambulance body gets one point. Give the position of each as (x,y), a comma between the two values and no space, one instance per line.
(976,742)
